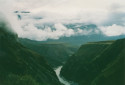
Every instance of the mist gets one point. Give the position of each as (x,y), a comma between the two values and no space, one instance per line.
(107,15)
(5,25)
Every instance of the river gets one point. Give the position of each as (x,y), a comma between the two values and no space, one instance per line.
(57,70)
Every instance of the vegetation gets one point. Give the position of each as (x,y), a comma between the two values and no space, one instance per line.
(98,63)
(21,66)
(55,53)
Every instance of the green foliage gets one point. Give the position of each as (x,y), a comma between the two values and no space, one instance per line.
(21,66)
(55,53)
(20,80)
(100,63)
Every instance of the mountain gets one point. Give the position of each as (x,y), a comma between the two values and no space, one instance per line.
(80,38)
(21,66)
(55,53)
(97,63)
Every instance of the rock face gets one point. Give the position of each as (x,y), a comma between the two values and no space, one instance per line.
(21,66)
(99,63)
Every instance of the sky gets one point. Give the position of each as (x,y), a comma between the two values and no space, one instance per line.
(108,15)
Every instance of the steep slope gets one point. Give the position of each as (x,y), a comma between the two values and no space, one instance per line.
(21,66)
(55,53)
(100,63)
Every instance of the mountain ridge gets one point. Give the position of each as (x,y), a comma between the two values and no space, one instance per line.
(54,52)
(92,65)
(20,65)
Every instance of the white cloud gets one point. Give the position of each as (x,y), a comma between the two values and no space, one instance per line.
(32,32)
(59,12)
(114,30)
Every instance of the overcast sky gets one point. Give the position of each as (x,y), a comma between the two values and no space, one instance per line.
(108,15)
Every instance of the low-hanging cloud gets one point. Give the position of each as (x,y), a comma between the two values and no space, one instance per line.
(32,32)
(114,30)
(4,24)
(108,17)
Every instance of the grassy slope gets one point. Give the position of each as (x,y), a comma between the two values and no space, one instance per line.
(111,63)
(21,66)
(97,64)
(55,53)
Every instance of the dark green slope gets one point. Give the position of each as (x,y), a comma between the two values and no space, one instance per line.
(111,64)
(21,66)
(100,63)
(55,53)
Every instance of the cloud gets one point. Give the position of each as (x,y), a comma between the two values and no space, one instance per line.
(32,32)
(116,15)
(4,24)
(114,30)
(106,14)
